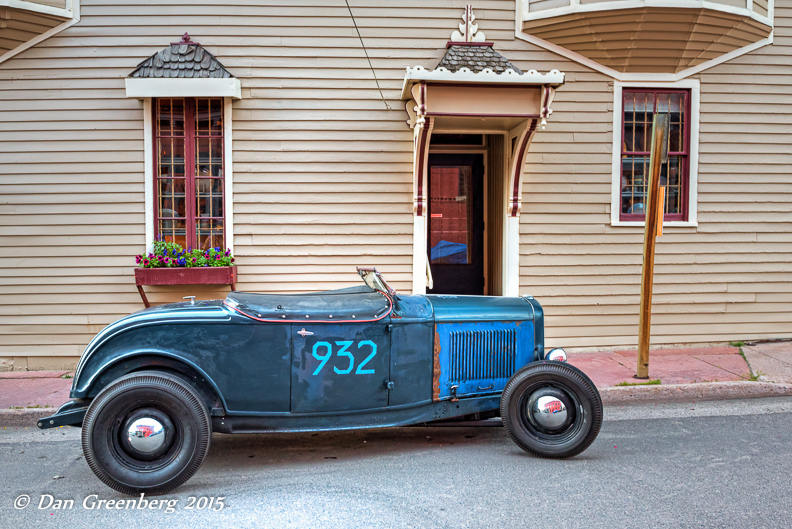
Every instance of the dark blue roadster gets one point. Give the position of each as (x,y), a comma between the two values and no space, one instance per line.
(152,387)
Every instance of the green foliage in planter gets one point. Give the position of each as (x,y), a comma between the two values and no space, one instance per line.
(172,255)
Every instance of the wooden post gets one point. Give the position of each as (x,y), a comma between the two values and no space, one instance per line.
(654,210)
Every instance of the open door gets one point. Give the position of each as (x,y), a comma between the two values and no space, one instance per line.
(456,223)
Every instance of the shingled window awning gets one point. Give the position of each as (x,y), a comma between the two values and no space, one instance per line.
(183,69)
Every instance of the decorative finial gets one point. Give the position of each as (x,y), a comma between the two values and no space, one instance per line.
(186,40)
(467,29)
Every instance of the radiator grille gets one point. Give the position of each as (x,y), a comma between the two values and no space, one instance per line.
(481,355)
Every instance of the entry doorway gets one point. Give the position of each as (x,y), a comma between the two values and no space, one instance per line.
(455,238)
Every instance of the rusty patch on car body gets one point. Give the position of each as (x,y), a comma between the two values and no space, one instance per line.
(436,366)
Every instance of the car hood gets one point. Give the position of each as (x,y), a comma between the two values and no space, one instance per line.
(483,308)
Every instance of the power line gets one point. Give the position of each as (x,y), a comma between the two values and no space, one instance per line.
(367,56)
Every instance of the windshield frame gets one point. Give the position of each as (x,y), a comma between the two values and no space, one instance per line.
(373,278)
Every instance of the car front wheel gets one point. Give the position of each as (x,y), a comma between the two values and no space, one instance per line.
(551,409)
(147,432)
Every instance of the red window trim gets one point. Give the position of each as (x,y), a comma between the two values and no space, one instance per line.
(189,166)
(684,177)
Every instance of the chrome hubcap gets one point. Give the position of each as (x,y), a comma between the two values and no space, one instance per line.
(146,435)
(549,412)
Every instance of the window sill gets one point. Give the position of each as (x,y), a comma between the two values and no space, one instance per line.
(641,224)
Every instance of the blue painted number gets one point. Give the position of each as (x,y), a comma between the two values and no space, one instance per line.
(344,352)
(324,358)
(345,345)
(360,370)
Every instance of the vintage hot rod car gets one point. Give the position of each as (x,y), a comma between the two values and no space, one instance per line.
(152,387)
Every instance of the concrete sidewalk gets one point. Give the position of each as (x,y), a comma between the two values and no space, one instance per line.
(703,373)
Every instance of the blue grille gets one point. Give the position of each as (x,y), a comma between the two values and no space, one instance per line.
(477,355)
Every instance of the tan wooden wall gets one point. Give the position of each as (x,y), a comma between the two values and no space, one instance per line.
(323,174)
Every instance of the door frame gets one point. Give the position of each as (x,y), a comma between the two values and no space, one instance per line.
(510,242)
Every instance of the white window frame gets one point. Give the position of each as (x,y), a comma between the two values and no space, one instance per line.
(694,85)
(228,168)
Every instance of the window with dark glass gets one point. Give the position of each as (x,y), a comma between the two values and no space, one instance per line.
(449,209)
(640,106)
(189,171)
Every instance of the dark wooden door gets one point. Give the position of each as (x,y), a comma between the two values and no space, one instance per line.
(456,223)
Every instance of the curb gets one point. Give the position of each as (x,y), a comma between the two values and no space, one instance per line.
(693,392)
(25,418)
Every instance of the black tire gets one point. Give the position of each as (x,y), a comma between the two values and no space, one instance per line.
(166,397)
(571,386)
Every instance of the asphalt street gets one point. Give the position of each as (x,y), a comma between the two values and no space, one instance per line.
(717,464)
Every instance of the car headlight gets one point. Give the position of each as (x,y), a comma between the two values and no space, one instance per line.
(557,354)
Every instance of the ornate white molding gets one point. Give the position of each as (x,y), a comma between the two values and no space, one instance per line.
(468,31)
(419,73)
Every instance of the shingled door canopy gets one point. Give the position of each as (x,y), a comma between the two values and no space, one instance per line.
(183,69)
(476,89)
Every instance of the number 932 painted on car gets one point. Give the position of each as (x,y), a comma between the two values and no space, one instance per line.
(152,387)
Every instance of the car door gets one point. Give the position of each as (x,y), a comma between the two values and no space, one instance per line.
(340,367)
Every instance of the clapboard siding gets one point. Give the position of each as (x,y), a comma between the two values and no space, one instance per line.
(729,277)
(323,173)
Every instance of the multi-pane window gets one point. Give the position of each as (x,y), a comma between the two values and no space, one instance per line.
(189,169)
(640,106)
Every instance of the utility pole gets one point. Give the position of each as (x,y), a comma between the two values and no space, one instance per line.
(654,228)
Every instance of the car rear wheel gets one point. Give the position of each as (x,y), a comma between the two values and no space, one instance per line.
(147,432)
(551,409)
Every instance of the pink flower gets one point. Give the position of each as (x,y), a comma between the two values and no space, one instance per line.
(145,262)
(137,259)
(217,257)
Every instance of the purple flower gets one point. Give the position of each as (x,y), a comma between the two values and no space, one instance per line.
(217,249)
(228,252)
(182,262)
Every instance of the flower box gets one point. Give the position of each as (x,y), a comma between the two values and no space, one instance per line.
(204,275)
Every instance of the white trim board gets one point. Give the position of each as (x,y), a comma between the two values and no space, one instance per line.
(73,10)
(148,172)
(630,77)
(694,85)
(143,87)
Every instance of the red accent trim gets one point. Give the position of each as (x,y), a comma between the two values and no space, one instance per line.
(308,321)
(527,116)
(545,112)
(518,168)
(452,43)
(421,169)
(485,84)
(189,138)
